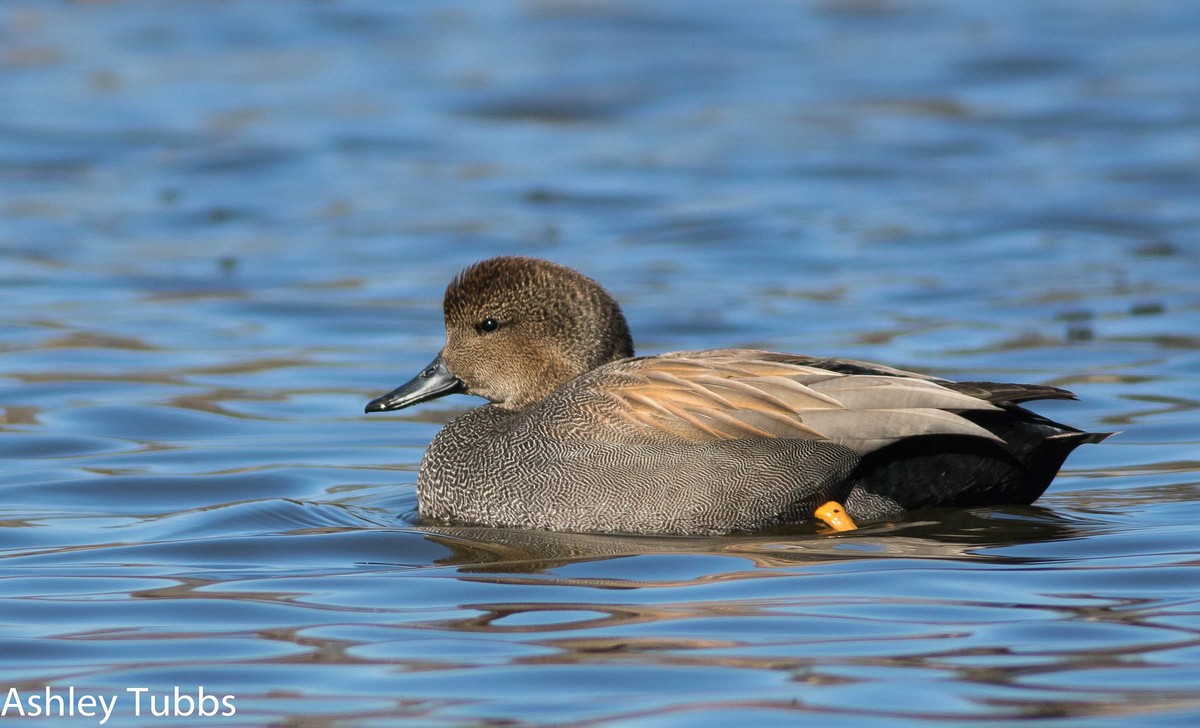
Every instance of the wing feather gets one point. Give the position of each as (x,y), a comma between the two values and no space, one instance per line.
(884,392)
(736,394)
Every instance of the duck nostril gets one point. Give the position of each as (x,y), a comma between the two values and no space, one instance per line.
(429,372)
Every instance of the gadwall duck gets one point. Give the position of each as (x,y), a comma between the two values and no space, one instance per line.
(580,435)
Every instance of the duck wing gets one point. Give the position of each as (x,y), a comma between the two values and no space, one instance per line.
(1009,393)
(733,394)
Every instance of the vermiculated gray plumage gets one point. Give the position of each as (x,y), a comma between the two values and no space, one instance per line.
(534,473)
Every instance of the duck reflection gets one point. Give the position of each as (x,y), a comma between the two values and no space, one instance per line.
(958,534)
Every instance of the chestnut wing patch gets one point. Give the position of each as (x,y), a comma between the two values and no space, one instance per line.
(730,395)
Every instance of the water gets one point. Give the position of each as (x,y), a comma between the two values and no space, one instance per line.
(223,228)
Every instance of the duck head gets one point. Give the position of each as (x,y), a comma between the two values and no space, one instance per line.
(517,329)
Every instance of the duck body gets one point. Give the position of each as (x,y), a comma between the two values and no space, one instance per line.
(697,442)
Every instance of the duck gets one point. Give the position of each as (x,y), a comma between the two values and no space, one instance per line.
(579,434)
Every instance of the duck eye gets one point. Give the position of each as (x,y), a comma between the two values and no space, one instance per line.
(487,325)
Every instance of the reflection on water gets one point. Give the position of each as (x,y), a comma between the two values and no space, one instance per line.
(947,534)
(222,228)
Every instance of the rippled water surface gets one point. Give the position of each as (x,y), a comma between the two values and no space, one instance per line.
(225,226)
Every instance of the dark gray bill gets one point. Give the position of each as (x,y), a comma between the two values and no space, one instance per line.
(434,381)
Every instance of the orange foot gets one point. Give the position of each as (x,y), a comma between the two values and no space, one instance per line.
(836,516)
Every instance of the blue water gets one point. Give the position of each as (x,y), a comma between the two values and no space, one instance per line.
(225,226)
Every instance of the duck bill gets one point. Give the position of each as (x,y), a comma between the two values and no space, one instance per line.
(434,381)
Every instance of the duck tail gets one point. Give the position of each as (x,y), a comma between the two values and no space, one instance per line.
(1092,438)
(1048,456)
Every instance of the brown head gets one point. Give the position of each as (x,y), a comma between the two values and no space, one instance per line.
(517,329)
